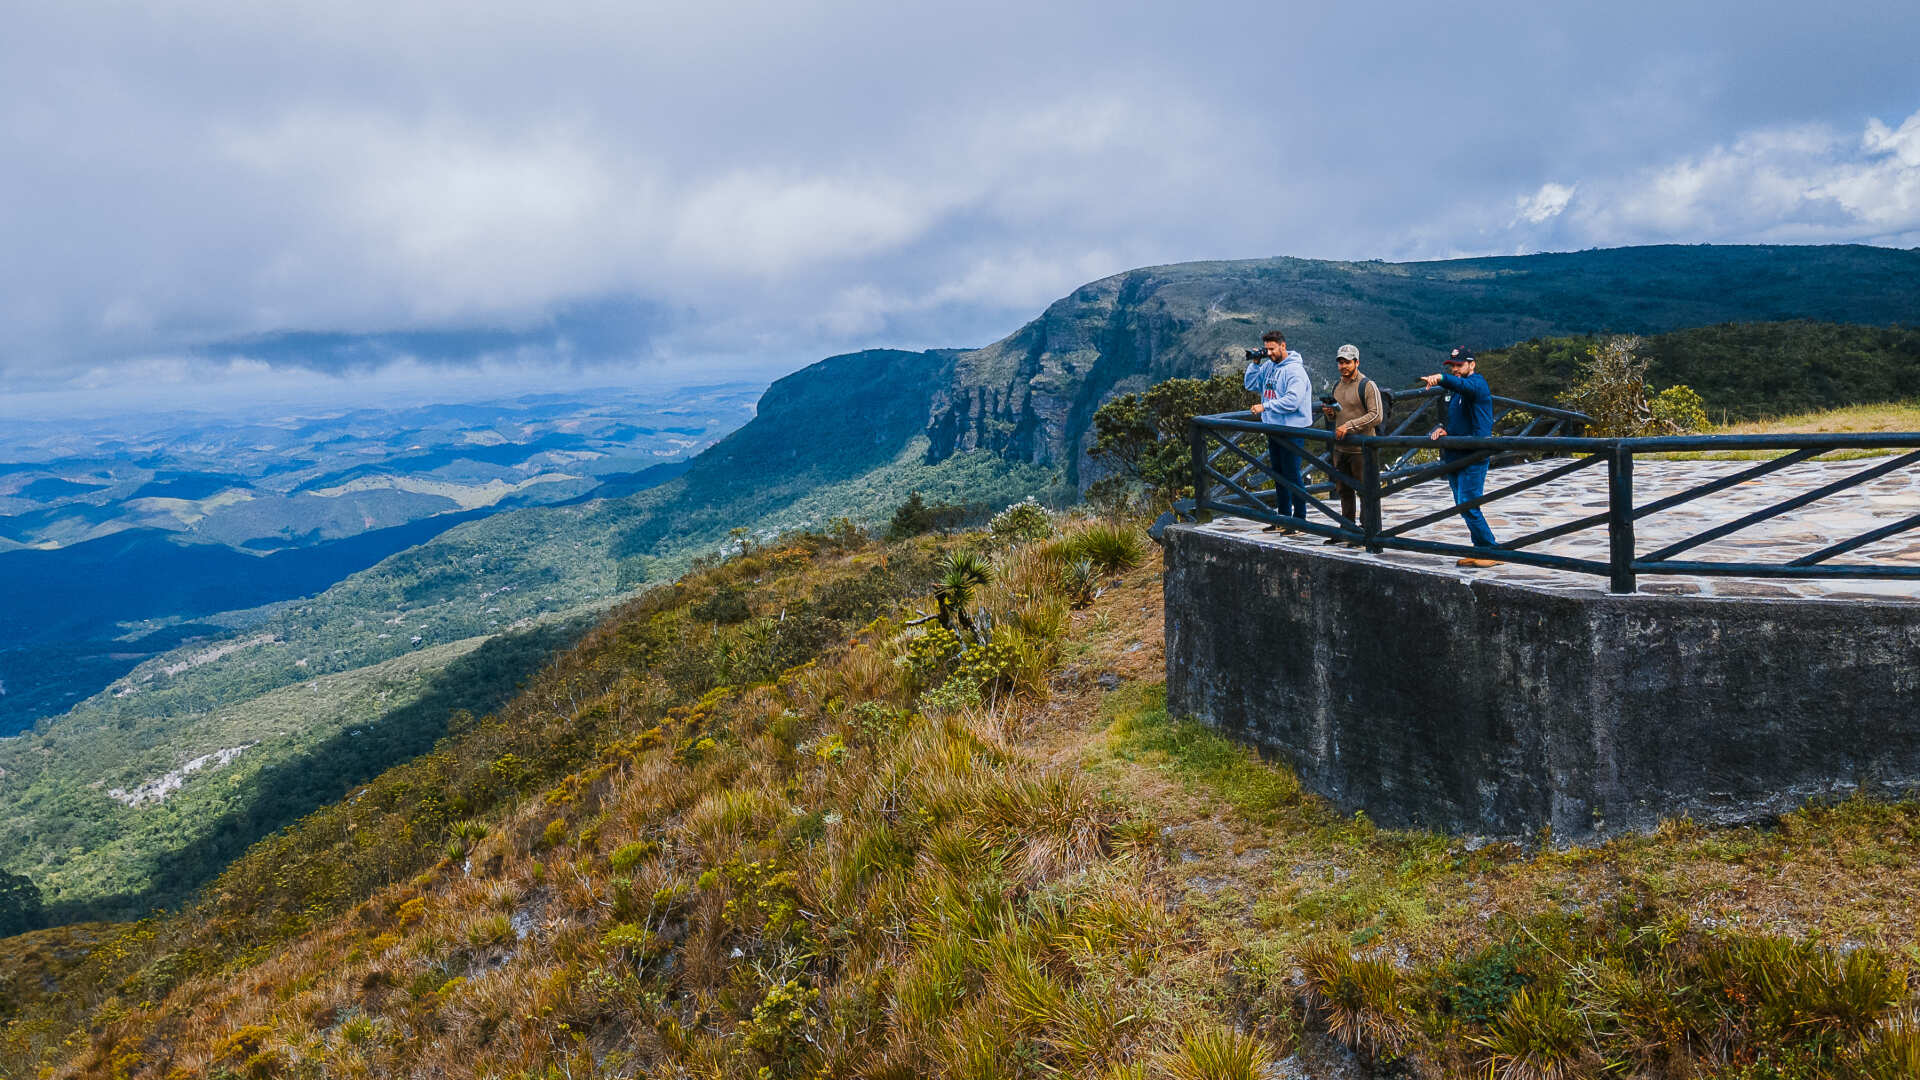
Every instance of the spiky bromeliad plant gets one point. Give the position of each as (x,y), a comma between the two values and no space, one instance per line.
(962,575)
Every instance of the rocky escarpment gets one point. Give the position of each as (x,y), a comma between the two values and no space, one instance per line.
(1031,396)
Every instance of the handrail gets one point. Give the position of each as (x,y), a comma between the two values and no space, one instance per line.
(1242,493)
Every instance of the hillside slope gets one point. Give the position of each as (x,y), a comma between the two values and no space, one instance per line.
(836,859)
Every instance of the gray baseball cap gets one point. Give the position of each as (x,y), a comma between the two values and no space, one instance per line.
(1348,352)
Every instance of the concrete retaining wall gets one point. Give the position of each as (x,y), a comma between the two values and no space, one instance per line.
(1482,707)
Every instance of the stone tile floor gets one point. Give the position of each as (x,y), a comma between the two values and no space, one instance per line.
(1877,502)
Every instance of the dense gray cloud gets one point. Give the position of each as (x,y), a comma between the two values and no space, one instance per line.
(786,180)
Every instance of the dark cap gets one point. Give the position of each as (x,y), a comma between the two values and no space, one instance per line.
(1460,355)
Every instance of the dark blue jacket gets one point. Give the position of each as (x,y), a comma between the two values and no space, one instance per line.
(1469,409)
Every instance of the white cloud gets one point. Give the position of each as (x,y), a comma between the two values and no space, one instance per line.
(1798,184)
(785,180)
(1549,202)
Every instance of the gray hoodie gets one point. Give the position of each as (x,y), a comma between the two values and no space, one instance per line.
(1284,390)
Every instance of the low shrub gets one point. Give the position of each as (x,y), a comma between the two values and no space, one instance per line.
(1024,521)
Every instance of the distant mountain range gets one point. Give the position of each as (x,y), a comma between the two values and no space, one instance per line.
(850,435)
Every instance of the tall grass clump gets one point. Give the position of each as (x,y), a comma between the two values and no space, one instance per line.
(1107,546)
(1214,1052)
(1358,998)
(1891,1049)
(1802,992)
(1539,1035)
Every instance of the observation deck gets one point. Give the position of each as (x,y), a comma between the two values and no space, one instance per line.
(1778,540)
(1667,632)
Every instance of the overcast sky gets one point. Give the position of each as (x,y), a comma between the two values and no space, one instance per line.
(697,188)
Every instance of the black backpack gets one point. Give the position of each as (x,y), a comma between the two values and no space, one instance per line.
(1386,405)
(1386,409)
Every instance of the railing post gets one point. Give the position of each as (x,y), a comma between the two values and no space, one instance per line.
(1370,497)
(1620,517)
(1197,442)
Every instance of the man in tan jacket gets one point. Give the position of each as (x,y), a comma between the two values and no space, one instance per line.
(1357,413)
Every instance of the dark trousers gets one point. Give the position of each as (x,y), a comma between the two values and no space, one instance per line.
(1353,463)
(1286,464)
(1469,484)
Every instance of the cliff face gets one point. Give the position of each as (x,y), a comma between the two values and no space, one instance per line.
(1031,396)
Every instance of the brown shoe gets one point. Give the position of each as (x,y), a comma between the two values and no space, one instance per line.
(1480,564)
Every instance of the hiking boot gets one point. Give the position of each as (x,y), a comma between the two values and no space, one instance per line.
(1479,564)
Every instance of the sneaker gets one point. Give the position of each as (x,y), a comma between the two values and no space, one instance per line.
(1478,563)
(1332,540)
(1281,529)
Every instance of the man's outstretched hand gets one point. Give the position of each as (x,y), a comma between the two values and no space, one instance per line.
(1430,380)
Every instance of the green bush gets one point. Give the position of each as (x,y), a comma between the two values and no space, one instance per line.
(726,606)
(1023,521)
(1680,409)
(779,1035)
(628,856)
(917,516)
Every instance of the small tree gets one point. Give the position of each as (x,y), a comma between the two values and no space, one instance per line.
(20,908)
(1142,437)
(910,518)
(1612,389)
(916,516)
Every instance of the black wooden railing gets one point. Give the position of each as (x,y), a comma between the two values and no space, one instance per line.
(1234,475)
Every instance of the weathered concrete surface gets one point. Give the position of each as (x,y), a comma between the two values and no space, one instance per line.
(1476,705)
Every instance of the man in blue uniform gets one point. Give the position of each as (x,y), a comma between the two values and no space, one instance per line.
(1470,415)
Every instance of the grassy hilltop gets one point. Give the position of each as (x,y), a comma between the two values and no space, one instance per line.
(763,823)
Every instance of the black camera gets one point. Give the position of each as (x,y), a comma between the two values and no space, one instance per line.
(1254,356)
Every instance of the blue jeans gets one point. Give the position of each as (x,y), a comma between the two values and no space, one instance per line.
(1469,484)
(1286,462)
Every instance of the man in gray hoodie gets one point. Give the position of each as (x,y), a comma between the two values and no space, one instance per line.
(1286,400)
